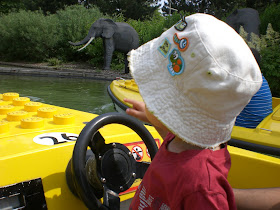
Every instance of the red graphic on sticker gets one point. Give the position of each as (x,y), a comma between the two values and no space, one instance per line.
(137,153)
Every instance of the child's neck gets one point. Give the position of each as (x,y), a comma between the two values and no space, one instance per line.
(177,145)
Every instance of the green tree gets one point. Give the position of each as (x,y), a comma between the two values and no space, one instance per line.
(260,5)
(7,6)
(131,9)
(50,6)
(218,8)
(214,7)
(270,15)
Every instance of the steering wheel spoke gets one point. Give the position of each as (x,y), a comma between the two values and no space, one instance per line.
(141,168)
(97,143)
(111,199)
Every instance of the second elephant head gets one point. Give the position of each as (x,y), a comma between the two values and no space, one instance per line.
(117,36)
(248,18)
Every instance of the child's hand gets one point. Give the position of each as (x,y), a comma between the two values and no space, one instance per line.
(137,110)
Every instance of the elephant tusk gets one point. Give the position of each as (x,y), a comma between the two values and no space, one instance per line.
(89,41)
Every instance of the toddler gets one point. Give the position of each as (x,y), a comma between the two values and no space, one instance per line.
(194,79)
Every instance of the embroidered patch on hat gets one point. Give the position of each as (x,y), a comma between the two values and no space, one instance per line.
(182,43)
(165,47)
(176,63)
(180,25)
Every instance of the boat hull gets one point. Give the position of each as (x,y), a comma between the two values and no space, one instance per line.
(34,157)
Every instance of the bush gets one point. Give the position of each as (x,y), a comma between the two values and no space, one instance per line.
(269,47)
(270,65)
(32,36)
(270,68)
(54,62)
(28,36)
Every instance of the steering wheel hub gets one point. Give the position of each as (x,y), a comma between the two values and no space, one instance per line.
(117,167)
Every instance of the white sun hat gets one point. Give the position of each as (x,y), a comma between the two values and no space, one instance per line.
(196,78)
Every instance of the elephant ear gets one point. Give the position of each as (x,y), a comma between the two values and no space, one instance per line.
(109,28)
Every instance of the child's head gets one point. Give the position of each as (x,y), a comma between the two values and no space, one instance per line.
(196,78)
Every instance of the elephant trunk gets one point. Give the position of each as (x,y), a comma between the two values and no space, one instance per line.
(89,41)
(85,40)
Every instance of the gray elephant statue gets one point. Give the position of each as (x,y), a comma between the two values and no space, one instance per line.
(246,17)
(116,36)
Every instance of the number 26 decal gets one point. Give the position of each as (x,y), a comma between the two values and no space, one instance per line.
(55,138)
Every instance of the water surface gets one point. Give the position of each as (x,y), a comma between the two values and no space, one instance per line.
(80,94)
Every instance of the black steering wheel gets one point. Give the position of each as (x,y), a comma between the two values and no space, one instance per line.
(116,167)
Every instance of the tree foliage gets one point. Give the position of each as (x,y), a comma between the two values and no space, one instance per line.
(130,9)
(268,45)
(218,8)
(270,15)
(7,6)
(214,7)
(50,6)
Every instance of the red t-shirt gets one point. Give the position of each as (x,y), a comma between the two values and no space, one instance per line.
(193,179)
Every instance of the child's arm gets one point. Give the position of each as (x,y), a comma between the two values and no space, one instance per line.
(138,111)
(266,198)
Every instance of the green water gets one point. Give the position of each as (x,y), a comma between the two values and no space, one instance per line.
(80,94)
